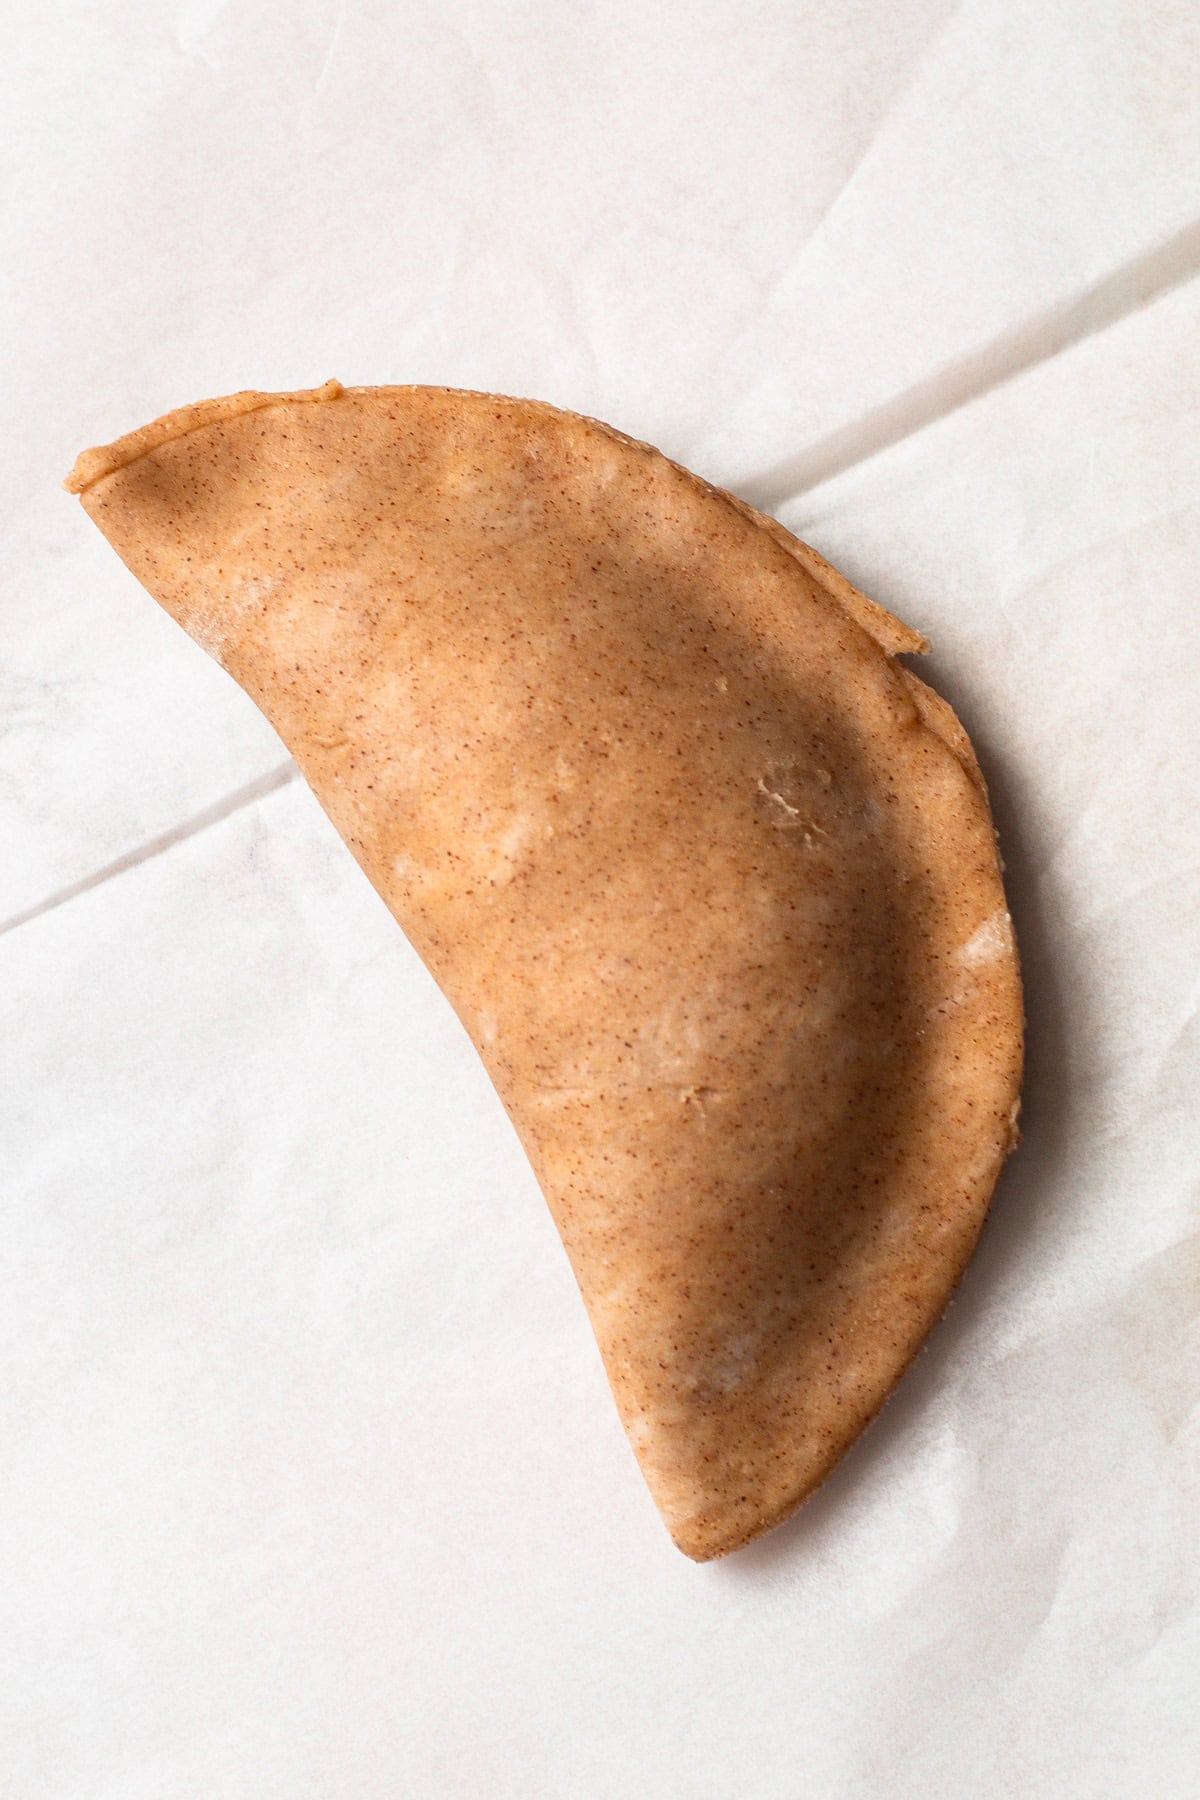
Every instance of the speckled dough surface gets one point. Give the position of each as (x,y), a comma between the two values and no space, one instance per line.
(709,877)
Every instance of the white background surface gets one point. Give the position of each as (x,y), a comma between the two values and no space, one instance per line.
(310,1484)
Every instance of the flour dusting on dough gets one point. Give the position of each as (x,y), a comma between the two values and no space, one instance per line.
(992,940)
(213,626)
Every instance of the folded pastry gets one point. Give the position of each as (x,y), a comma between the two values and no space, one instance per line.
(709,876)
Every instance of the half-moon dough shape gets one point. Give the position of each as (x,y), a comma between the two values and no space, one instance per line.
(709,877)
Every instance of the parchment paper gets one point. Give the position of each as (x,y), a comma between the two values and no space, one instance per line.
(310,1483)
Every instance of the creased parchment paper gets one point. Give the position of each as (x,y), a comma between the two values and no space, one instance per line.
(311,1483)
